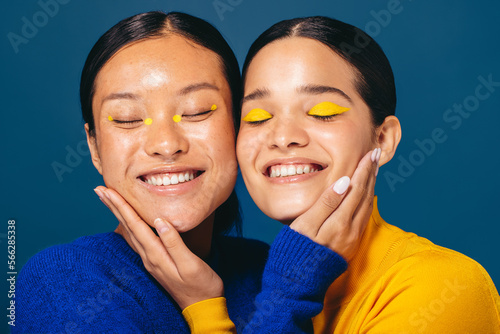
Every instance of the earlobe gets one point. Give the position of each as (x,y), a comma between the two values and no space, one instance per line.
(388,137)
(94,153)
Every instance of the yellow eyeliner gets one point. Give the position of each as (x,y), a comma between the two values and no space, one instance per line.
(327,109)
(257,115)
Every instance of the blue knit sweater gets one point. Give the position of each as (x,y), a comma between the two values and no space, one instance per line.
(98,284)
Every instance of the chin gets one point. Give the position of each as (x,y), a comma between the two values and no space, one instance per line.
(285,214)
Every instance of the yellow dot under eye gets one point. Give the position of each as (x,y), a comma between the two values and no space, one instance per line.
(213,107)
(148,121)
(327,109)
(177,118)
(110,118)
(257,115)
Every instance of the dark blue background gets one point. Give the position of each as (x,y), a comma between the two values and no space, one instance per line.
(437,49)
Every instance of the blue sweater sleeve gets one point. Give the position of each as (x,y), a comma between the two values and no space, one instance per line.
(297,274)
(59,292)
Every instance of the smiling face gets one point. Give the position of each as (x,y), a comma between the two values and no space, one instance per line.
(164,130)
(303,126)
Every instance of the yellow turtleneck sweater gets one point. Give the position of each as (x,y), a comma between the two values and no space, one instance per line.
(399,282)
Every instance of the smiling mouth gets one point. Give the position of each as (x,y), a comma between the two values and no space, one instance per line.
(167,179)
(292,170)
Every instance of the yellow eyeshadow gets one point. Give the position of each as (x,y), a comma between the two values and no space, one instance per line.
(148,121)
(327,109)
(110,118)
(213,107)
(257,115)
(177,118)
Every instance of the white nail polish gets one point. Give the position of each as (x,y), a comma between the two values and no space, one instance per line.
(374,155)
(341,185)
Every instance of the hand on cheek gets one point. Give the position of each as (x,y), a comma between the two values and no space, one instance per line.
(186,277)
(339,217)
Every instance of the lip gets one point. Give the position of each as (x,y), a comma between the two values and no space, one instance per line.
(176,189)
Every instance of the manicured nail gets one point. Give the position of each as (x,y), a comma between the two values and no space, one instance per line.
(341,185)
(374,155)
(98,193)
(160,225)
(378,160)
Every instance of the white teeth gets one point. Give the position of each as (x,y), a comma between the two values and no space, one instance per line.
(169,179)
(166,181)
(291,170)
(284,171)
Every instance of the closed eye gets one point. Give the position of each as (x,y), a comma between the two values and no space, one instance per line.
(257,116)
(326,110)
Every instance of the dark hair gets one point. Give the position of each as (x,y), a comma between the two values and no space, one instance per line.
(157,24)
(375,80)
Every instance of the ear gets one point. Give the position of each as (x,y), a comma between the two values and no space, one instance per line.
(94,153)
(388,137)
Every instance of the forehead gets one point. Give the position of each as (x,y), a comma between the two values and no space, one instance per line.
(172,59)
(299,58)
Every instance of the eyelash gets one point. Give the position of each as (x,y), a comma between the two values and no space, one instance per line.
(127,122)
(199,114)
(324,118)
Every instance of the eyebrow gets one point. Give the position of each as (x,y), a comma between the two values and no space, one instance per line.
(196,87)
(120,96)
(259,93)
(319,89)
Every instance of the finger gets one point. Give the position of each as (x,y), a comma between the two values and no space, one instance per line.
(138,227)
(129,236)
(365,207)
(181,255)
(339,223)
(310,221)
(359,186)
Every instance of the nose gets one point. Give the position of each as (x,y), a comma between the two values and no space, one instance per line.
(288,133)
(165,138)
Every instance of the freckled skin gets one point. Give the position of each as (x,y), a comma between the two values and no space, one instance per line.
(280,68)
(122,152)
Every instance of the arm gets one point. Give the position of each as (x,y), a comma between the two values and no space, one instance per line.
(328,223)
(58,292)
(433,292)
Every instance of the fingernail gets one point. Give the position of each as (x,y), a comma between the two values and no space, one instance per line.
(341,185)
(378,160)
(374,155)
(160,225)
(98,193)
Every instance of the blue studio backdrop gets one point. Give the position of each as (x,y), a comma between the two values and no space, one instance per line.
(442,183)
